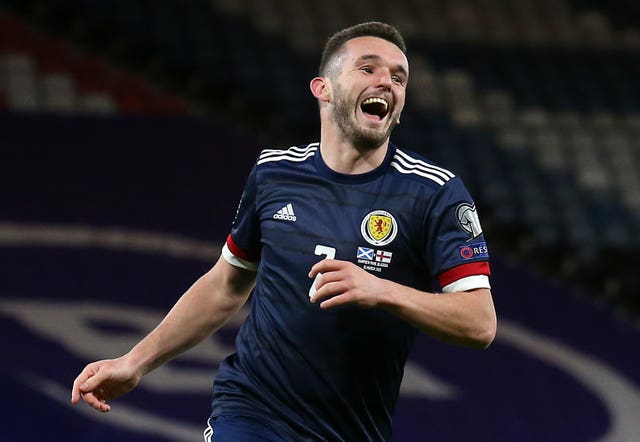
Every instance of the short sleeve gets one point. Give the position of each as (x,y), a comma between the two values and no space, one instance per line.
(455,248)
(242,248)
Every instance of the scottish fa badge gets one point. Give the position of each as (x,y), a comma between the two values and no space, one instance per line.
(379,228)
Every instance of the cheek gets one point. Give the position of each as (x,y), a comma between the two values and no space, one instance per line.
(399,103)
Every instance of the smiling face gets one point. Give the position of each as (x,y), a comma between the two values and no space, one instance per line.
(368,82)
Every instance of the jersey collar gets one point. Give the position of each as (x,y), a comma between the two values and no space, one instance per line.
(332,175)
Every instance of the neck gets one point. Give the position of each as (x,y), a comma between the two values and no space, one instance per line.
(342,156)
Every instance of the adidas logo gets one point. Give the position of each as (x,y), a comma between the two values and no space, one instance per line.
(286,213)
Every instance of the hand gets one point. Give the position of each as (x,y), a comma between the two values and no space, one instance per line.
(343,283)
(102,381)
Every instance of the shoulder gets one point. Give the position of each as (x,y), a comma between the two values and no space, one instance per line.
(416,167)
(293,154)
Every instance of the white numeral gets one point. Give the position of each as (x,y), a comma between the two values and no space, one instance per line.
(330,253)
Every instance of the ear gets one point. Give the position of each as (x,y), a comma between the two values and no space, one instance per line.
(320,88)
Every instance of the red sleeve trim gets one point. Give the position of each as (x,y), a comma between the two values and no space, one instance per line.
(462,271)
(238,252)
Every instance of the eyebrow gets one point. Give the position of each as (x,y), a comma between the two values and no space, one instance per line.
(374,57)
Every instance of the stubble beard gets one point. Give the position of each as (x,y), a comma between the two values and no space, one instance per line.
(362,138)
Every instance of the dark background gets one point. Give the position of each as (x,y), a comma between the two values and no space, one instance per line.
(127,130)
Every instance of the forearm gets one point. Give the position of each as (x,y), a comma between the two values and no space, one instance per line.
(465,318)
(202,310)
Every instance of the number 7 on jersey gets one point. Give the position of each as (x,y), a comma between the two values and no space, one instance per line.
(329,253)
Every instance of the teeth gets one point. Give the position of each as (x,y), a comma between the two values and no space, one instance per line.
(376,100)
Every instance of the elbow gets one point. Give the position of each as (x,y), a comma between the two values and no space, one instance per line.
(485,340)
(486,326)
(485,334)
(478,336)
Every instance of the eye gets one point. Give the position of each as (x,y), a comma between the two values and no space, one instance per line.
(367,69)
(397,79)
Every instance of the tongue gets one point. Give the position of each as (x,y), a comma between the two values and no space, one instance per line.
(374,117)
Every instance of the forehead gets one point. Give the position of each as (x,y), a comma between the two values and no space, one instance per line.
(365,47)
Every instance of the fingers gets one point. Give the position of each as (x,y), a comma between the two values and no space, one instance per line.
(340,283)
(332,289)
(79,384)
(96,402)
(319,279)
(326,265)
(336,301)
(327,289)
(325,283)
(87,387)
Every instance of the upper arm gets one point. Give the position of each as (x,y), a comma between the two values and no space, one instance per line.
(236,280)
(485,312)
(455,248)
(482,296)
(481,301)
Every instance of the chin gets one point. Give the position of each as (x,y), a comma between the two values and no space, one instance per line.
(362,135)
(369,141)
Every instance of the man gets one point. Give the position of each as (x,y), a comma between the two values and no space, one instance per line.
(345,241)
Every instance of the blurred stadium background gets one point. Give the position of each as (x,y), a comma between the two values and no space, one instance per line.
(127,129)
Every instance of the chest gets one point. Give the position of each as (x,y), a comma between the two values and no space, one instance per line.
(375,226)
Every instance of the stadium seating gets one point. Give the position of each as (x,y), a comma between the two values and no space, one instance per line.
(535,103)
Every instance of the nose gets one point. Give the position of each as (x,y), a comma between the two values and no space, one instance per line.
(384,79)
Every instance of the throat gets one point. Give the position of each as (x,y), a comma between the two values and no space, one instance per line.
(348,159)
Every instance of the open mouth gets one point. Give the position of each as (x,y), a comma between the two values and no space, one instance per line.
(375,107)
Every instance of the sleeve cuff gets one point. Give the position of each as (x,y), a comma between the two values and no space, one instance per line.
(468,283)
(238,262)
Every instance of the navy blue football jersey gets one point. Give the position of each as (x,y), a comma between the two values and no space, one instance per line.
(335,374)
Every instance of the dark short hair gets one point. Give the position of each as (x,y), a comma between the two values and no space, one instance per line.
(369,29)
